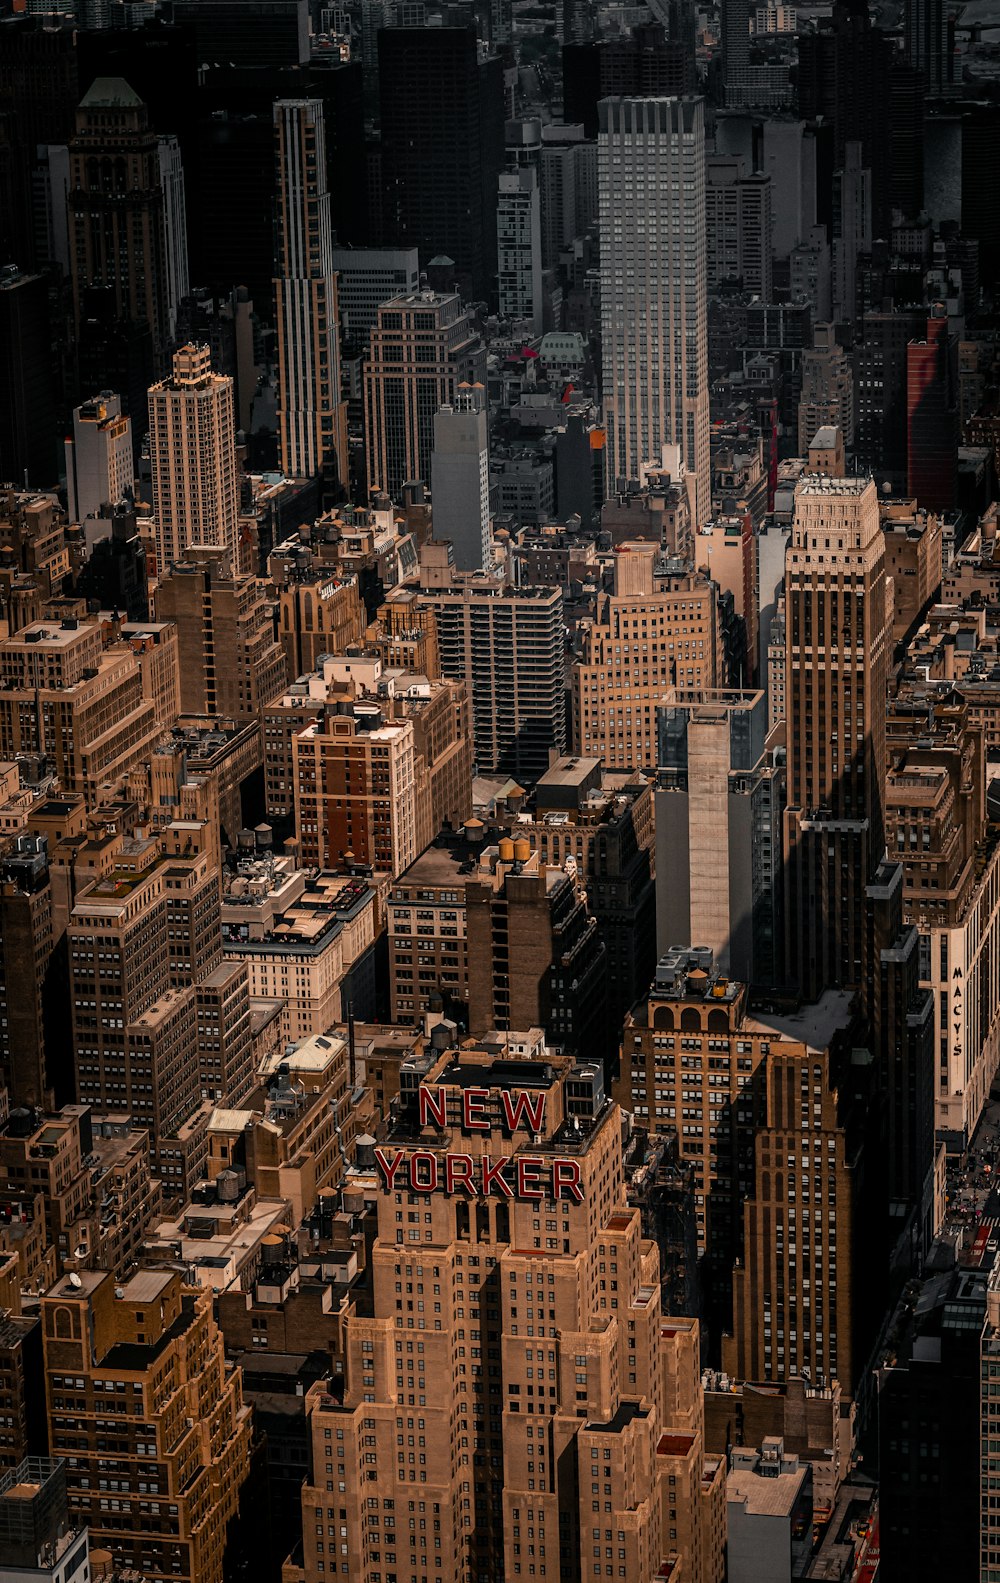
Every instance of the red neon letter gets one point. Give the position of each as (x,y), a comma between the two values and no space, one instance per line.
(474,1117)
(528,1185)
(458,1173)
(433,1106)
(530,1105)
(423,1157)
(493,1173)
(388,1167)
(566,1173)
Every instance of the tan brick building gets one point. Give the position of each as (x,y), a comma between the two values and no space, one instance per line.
(152,1425)
(506,1401)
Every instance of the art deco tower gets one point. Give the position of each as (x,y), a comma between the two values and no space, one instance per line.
(838,632)
(654,275)
(311,416)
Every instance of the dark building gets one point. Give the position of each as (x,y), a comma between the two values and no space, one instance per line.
(980,158)
(843,78)
(880,415)
(907,93)
(537,959)
(932,417)
(928,1426)
(38,94)
(248,33)
(647,65)
(27,403)
(26,943)
(442,114)
(115,352)
(22,1391)
(114,578)
(929,43)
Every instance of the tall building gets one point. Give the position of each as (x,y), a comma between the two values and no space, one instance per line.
(367,277)
(852,230)
(738,226)
(735,17)
(99,469)
(460,479)
(607,1439)
(193,454)
(928,41)
(423,346)
(182,1456)
(230,663)
(838,639)
(312,418)
(932,416)
(844,77)
(519,249)
(649,62)
(355,792)
(661,627)
(827,398)
(508,646)
(797,1302)
(30,1024)
(654,311)
(126,210)
(718,832)
(442,119)
(27,390)
(880,381)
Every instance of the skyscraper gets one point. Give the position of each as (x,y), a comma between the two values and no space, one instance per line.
(442,116)
(193,452)
(519,249)
(27,400)
(838,644)
(931,416)
(654,310)
(423,347)
(460,479)
(928,45)
(98,457)
(126,209)
(312,419)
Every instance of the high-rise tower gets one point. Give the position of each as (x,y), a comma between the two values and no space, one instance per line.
(193,451)
(654,303)
(837,649)
(312,418)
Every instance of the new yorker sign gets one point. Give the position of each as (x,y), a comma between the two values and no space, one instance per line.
(524,1177)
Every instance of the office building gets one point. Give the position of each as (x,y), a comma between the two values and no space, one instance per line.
(128,233)
(460,479)
(442,120)
(312,418)
(695,1086)
(852,231)
(40,1541)
(648,63)
(89,707)
(719,795)
(654,328)
(229,661)
(838,634)
(423,346)
(735,19)
(880,384)
(99,470)
(932,416)
(519,250)
(156,1339)
(298,937)
(27,394)
(661,627)
(827,398)
(367,277)
(193,455)
(508,646)
(738,226)
(540,1440)
(799,1303)
(989,1456)
(929,44)
(844,76)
